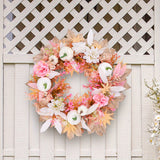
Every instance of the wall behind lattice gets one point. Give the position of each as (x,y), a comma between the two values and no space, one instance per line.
(127,24)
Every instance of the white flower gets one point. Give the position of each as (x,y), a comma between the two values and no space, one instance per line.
(105,70)
(44,84)
(53,59)
(66,54)
(55,107)
(157,117)
(73,117)
(79,47)
(82,110)
(92,54)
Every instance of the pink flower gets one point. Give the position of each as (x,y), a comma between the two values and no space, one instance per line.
(101,99)
(41,69)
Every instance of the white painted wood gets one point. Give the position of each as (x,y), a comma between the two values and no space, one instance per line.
(111,158)
(9,125)
(18,58)
(1,81)
(147,72)
(111,138)
(137,158)
(97,147)
(60,158)
(157,39)
(34,128)
(47,145)
(8,158)
(126,138)
(136,111)
(124,126)
(85,158)
(34,158)
(21,111)
(60,144)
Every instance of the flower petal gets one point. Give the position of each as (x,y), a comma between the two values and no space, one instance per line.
(92,108)
(103,77)
(84,125)
(46,125)
(90,38)
(53,74)
(58,126)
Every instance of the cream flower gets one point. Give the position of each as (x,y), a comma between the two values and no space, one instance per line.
(79,47)
(82,110)
(73,117)
(92,54)
(44,84)
(53,59)
(157,117)
(55,107)
(66,53)
(105,70)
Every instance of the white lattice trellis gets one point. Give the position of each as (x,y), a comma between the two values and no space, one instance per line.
(127,24)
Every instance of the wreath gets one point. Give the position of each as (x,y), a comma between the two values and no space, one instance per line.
(48,87)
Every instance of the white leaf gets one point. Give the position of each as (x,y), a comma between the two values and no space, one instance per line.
(45,112)
(92,108)
(117,89)
(102,50)
(117,94)
(103,77)
(84,125)
(46,125)
(90,38)
(53,74)
(63,115)
(58,126)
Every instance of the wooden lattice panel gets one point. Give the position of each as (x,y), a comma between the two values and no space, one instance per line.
(128,24)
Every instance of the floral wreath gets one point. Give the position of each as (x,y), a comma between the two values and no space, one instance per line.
(73,114)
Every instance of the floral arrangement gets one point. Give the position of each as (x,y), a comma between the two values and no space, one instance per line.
(106,81)
(154,128)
